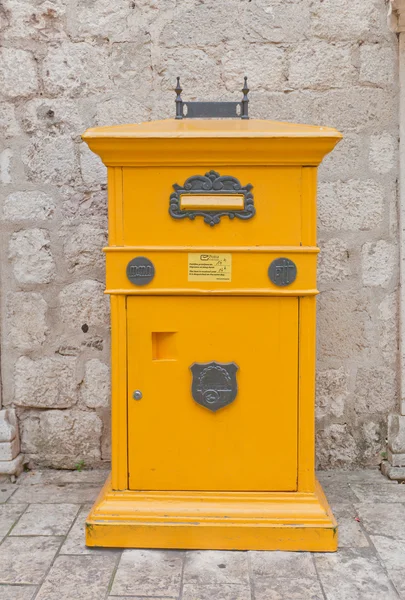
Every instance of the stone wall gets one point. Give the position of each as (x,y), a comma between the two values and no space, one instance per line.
(66,65)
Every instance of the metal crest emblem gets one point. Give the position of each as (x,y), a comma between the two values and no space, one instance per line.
(214,384)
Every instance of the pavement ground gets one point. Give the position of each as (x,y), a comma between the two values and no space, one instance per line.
(43,556)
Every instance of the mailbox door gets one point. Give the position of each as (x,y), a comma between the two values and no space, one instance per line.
(176,443)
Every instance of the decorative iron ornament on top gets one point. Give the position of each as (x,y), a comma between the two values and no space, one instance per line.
(219,110)
(212,183)
(214,384)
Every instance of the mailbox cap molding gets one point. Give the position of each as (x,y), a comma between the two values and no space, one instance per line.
(204,141)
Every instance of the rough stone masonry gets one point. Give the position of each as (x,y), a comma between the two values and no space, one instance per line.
(66,65)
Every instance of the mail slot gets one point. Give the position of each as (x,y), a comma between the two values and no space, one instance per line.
(211,270)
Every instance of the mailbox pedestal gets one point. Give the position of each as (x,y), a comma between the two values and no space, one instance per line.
(211,268)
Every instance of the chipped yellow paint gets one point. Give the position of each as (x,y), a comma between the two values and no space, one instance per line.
(182,476)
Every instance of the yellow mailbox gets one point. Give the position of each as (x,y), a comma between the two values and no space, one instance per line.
(211,270)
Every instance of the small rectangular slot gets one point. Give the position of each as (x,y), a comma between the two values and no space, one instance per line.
(212,202)
(164,345)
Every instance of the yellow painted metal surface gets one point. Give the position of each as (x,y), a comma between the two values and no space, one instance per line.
(183,476)
(188,447)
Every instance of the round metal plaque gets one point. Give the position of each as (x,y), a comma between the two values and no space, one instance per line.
(140,270)
(282,272)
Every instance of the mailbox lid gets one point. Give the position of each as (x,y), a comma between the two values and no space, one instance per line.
(175,443)
(171,142)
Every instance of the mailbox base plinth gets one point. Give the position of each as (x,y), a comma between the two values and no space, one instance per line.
(212,520)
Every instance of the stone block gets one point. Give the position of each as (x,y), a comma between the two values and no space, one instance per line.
(378,65)
(24,206)
(83,246)
(8,425)
(18,75)
(59,116)
(388,327)
(277,22)
(394,473)
(50,159)
(6,157)
(396,433)
(94,173)
(200,73)
(376,390)
(360,108)
(332,392)
(84,303)
(373,440)
(12,467)
(383,153)
(396,460)
(333,261)
(348,158)
(181,30)
(88,205)
(95,389)
(266,66)
(87,21)
(9,450)
(344,325)
(132,63)
(45,383)
(123,109)
(75,69)
(321,65)
(353,205)
(29,251)
(339,20)
(378,262)
(32,20)
(61,438)
(26,320)
(336,446)
(8,123)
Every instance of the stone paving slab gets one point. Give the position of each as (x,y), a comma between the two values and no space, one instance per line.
(351,533)
(282,564)
(62,493)
(9,514)
(217,592)
(354,574)
(149,573)
(43,556)
(6,491)
(74,542)
(17,592)
(379,493)
(78,578)
(46,519)
(392,554)
(211,566)
(288,589)
(27,559)
(383,519)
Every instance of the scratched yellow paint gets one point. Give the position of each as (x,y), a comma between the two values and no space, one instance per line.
(183,476)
